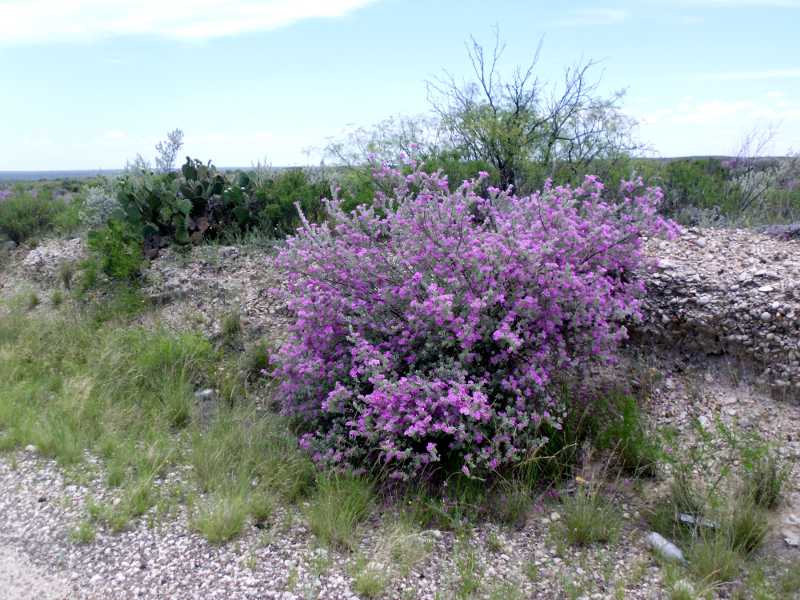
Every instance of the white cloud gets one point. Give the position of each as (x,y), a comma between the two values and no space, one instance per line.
(697,127)
(792,73)
(24,21)
(593,16)
(721,112)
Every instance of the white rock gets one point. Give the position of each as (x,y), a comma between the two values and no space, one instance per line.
(791,537)
(664,547)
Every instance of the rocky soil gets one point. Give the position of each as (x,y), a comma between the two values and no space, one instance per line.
(734,293)
(720,338)
(160,557)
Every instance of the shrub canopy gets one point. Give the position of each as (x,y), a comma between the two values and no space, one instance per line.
(430,327)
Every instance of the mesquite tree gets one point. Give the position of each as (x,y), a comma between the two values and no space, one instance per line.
(520,122)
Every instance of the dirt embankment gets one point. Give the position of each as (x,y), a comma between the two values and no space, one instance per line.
(730,292)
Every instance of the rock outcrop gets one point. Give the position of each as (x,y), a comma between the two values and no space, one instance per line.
(736,292)
(44,261)
(714,292)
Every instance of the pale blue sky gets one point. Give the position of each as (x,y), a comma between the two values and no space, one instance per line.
(89,83)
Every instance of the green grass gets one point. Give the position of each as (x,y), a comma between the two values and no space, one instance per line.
(454,506)
(506,590)
(84,533)
(240,447)
(87,378)
(726,481)
(33,300)
(469,570)
(510,502)
(623,430)
(789,580)
(588,517)
(712,559)
(407,547)
(77,382)
(370,580)
(339,505)
(261,505)
(220,518)
(682,589)
(764,479)
(746,526)
(231,327)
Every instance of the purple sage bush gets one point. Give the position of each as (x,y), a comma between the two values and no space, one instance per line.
(430,328)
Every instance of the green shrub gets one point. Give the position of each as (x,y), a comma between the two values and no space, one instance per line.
(278,197)
(118,250)
(694,182)
(24,216)
(357,185)
(99,205)
(457,168)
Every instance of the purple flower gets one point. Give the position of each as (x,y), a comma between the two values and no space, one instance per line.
(430,326)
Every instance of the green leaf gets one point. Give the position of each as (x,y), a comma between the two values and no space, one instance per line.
(184,205)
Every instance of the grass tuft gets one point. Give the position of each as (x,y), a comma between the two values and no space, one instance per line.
(711,559)
(469,572)
(220,518)
(747,527)
(339,504)
(370,580)
(623,430)
(765,479)
(84,533)
(588,518)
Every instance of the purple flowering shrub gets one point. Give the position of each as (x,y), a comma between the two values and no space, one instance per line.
(430,327)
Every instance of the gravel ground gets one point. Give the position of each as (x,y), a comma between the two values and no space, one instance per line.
(160,557)
(39,508)
(21,580)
